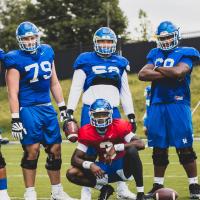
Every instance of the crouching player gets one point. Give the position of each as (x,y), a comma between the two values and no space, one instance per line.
(117,149)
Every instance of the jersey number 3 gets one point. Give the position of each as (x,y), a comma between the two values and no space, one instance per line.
(45,66)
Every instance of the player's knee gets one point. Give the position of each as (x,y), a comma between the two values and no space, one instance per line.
(53,163)
(2,162)
(186,155)
(54,149)
(72,173)
(160,157)
(29,163)
(132,152)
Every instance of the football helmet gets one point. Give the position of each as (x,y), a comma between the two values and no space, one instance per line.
(100,113)
(27,29)
(167,35)
(105,34)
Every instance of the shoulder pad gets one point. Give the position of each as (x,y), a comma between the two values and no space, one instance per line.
(82,59)
(124,62)
(189,52)
(152,53)
(10,59)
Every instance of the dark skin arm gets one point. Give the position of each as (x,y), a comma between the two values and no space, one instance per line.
(148,74)
(78,159)
(135,141)
(177,72)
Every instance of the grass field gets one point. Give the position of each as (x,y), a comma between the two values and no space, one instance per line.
(175,175)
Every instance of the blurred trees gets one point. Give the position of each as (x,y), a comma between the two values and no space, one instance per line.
(64,23)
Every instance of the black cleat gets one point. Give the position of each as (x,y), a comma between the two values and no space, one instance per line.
(155,187)
(194,191)
(106,191)
(140,196)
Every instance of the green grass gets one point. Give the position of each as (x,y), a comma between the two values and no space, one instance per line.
(137,89)
(175,176)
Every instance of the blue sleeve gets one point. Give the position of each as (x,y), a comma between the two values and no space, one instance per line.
(187,61)
(151,55)
(9,61)
(78,62)
(190,52)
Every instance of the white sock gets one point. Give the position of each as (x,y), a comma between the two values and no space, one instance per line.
(3,192)
(140,189)
(56,188)
(30,189)
(159,180)
(193,180)
(86,189)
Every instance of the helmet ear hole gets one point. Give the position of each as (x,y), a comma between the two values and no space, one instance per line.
(28,30)
(105,34)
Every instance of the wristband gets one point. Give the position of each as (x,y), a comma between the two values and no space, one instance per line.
(15,115)
(86,164)
(61,104)
(119,147)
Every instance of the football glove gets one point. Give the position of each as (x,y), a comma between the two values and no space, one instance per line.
(63,113)
(131,118)
(17,129)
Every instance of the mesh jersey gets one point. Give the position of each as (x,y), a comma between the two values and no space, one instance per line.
(115,134)
(35,73)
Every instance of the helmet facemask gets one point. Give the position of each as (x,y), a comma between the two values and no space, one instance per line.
(101,119)
(30,45)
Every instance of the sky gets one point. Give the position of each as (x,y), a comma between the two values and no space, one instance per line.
(184,13)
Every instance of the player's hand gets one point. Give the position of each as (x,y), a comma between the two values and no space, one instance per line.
(131,118)
(97,171)
(63,113)
(17,129)
(110,155)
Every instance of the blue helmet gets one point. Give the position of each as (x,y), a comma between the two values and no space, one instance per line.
(26,29)
(167,36)
(100,113)
(105,33)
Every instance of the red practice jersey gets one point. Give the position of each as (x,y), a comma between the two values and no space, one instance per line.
(118,132)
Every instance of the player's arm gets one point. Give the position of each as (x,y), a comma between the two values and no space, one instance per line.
(12,81)
(78,160)
(177,72)
(147,73)
(56,91)
(127,101)
(76,89)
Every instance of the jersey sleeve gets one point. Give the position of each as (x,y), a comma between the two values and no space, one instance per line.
(79,62)
(124,127)
(190,52)
(9,61)
(187,61)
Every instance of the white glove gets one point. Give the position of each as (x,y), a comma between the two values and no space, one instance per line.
(17,129)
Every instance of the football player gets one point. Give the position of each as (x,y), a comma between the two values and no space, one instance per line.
(169,69)
(102,74)
(30,77)
(117,149)
(3,178)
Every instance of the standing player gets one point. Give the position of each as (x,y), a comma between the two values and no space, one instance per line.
(30,77)
(102,74)
(169,119)
(3,179)
(147,94)
(117,148)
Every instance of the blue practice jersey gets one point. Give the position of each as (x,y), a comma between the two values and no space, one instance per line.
(2,54)
(101,70)
(168,90)
(35,73)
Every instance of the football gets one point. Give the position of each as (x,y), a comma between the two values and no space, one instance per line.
(70,129)
(165,194)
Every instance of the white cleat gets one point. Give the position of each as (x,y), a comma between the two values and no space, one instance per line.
(124,193)
(61,195)
(86,193)
(32,195)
